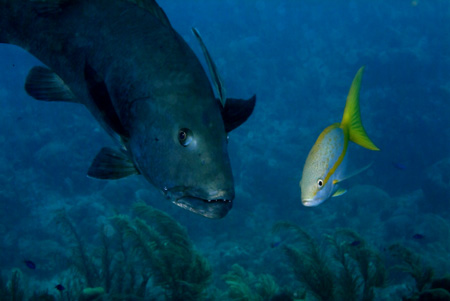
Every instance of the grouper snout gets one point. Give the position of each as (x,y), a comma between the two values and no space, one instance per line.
(212,208)
(209,203)
(207,190)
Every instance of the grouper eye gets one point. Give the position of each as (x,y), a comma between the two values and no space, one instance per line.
(185,136)
(320,183)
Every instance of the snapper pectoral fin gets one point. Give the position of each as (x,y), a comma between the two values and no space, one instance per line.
(339,192)
(112,164)
(355,172)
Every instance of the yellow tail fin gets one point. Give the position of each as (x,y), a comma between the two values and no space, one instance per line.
(352,116)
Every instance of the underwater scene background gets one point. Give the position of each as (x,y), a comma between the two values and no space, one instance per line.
(387,238)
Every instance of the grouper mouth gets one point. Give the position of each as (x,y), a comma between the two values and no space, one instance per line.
(213,207)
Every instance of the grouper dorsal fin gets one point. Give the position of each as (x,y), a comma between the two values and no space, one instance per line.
(99,93)
(44,84)
(153,7)
(217,81)
(237,111)
(112,164)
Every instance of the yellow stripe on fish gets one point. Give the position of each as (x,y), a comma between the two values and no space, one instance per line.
(326,162)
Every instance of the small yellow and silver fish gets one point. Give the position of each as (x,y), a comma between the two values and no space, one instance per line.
(325,166)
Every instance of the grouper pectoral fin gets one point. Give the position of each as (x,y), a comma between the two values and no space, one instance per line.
(237,111)
(44,84)
(112,164)
(99,93)
(217,81)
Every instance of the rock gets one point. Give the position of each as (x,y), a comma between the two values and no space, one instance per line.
(438,294)
(436,187)
(443,283)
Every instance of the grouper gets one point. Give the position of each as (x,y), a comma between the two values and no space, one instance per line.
(125,63)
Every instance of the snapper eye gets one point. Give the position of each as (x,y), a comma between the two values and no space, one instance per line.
(320,183)
(185,136)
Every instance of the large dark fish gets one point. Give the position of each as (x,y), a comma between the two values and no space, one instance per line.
(143,83)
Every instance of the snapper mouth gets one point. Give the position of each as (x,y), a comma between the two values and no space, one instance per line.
(309,203)
(210,208)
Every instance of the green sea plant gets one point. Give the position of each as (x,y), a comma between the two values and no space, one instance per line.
(310,265)
(411,263)
(3,287)
(104,267)
(152,246)
(165,250)
(12,290)
(352,272)
(42,296)
(362,268)
(244,285)
(80,258)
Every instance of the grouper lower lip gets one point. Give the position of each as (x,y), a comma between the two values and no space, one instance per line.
(213,208)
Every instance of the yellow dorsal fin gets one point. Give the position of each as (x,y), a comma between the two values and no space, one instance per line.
(352,116)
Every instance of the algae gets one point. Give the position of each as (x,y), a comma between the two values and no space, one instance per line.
(163,246)
(351,272)
(244,285)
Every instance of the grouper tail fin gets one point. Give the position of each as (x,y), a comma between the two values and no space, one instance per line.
(351,121)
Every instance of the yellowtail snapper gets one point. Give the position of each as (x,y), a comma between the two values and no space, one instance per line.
(325,166)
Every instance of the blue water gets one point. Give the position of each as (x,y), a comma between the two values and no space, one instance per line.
(299,58)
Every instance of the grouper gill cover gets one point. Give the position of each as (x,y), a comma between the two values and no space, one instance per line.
(144,85)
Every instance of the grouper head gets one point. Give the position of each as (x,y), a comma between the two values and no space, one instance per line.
(173,128)
(177,138)
(183,152)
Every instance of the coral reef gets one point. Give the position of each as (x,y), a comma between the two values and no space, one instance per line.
(165,250)
(411,263)
(244,285)
(309,262)
(436,187)
(147,251)
(13,289)
(353,274)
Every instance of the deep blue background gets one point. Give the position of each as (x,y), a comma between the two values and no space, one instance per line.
(299,58)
